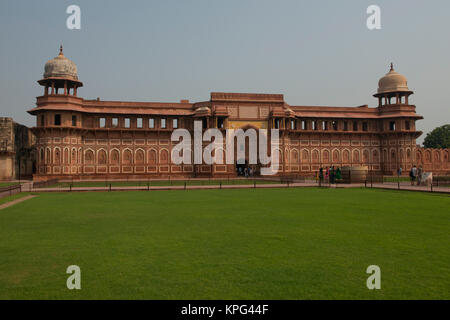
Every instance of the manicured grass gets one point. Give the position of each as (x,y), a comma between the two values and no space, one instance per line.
(302,243)
(396,179)
(7,184)
(159,183)
(13,197)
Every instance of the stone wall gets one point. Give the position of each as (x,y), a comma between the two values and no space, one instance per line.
(7,153)
(17,155)
(434,160)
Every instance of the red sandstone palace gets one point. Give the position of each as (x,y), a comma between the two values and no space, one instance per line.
(92,139)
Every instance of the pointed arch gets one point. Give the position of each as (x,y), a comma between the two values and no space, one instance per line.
(385,155)
(401,154)
(325,156)
(366,156)
(139,156)
(375,156)
(41,156)
(66,156)
(48,156)
(305,155)
(73,156)
(127,157)
(80,155)
(102,157)
(114,157)
(294,156)
(437,156)
(57,155)
(280,156)
(393,155)
(356,158)
(419,157)
(164,156)
(428,155)
(346,156)
(152,157)
(315,156)
(336,156)
(89,157)
(408,154)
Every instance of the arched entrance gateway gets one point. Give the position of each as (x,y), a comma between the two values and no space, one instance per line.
(246,152)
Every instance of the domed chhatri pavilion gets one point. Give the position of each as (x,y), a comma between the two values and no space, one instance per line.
(60,72)
(94,139)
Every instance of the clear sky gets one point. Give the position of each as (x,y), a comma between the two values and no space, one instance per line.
(314,52)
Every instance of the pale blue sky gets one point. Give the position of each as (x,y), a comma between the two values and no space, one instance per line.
(314,52)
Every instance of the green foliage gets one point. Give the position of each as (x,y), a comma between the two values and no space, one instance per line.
(439,138)
(298,243)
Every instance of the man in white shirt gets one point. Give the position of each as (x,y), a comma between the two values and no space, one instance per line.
(413,174)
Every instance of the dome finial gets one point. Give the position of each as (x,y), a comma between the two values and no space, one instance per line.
(392,82)
(60,67)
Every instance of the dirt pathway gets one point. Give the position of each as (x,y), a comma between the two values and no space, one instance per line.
(16,201)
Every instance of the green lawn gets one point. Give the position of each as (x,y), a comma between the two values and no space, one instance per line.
(302,243)
(13,197)
(159,183)
(7,184)
(396,179)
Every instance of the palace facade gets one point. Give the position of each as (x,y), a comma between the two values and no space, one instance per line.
(96,139)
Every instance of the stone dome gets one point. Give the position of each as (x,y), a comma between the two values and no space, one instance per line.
(203,109)
(61,67)
(393,82)
(289,112)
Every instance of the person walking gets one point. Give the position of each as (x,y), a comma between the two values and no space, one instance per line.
(413,174)
(419,175)
(321,175)
(338,174)
(332,175)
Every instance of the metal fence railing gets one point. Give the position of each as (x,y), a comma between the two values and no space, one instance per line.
(369,180)
(160,183)
(10,190)
(46,183)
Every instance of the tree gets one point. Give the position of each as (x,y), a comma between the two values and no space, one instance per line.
(439,138)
